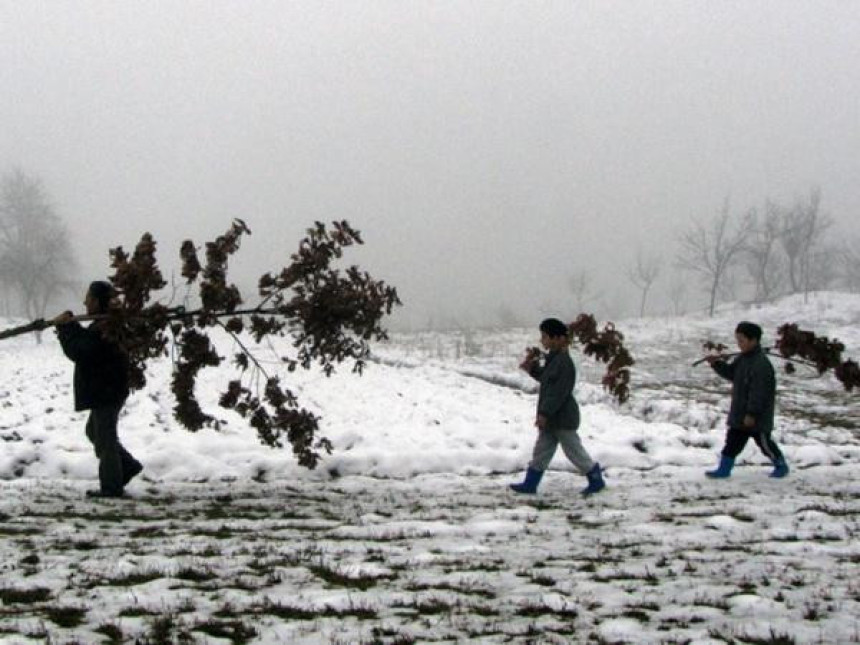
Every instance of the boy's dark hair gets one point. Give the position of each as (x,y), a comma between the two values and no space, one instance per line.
(102,292)
(748,329)
(553,328)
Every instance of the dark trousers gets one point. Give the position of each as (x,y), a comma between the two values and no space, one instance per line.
(736,441)
(114,460)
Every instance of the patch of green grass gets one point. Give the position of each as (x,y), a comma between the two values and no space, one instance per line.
(11,530)
(375,555)
(647,606)
(148,532)
(129,580)
(110,631)
(338,579)
(707,601)
(483,610)
(66,616)
(218,512)
(287,611)
(774,638)
(812,612)
(221,533)
(543,581)
(427,606)
(647,577)
(636,614)
(164,630)
(535,609)
(77,545)
(465,589)
(137,612)
(486,567)
(235,631)
(30,560)
(11,596)
(389,636)
(789,537)
(830,510)
(195,575)
(85,545)
(742,516)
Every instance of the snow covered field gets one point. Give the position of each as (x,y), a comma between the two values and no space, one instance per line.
(407,533)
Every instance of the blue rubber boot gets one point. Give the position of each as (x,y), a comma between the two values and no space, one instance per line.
(595,481)
(780,469)
(529,484)
(724,470)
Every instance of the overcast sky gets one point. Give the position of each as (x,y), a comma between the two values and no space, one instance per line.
(487,150)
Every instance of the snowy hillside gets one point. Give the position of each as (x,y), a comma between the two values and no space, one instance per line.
(407,533)
(428,404)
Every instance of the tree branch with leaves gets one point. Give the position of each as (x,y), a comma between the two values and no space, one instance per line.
(795,345)
(330,314)
(605,346)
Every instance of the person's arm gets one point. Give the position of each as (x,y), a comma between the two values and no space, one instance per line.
(77,343)
(531,364)
(535,370)
(721,367)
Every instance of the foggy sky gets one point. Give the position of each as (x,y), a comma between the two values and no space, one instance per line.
(487,150)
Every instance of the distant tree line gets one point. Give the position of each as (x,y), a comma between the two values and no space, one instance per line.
(756,255)
(776,251)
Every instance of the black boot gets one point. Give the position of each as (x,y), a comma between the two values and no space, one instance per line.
(100,494)
(130,471)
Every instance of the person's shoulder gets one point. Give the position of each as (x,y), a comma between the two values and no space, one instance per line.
(565,358)
(762,360)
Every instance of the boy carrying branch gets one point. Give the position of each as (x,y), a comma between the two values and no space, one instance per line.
(100,386)
(753,401)
(557,417)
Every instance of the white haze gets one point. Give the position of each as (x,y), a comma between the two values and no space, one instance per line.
(488,150)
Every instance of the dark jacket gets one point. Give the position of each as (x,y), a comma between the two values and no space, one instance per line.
(101,367)
(555,399)
(753,389)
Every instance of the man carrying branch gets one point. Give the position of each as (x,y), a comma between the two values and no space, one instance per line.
(101,386)
(753,401)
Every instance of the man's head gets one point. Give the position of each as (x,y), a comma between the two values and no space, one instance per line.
(553,333)
(747,335)
(98,297)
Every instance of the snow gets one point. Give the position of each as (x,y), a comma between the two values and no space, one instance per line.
(407,532)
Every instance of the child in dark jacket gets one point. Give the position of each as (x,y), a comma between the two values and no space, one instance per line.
(557,412)
(753,402)
(100,386)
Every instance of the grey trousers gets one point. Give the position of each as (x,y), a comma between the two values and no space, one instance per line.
(547,443)
(102,433)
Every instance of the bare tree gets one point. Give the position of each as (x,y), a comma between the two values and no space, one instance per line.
(822,270)
(802,230)
(849,260)
(763,262)
(581,286)
(678,294)
(710,250)
(36,259)
(643,274)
